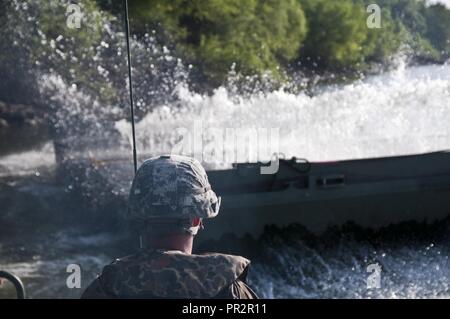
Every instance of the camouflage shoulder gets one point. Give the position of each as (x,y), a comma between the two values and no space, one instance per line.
(205,275)
(172,274)
(169,274)
(237,290)
(98,289)
(238,264)
(95,291)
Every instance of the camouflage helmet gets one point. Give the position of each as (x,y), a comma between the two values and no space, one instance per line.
(171,190)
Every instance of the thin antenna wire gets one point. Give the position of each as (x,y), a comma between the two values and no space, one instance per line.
(127,30)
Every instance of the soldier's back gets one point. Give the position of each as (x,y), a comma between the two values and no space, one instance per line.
(173,274)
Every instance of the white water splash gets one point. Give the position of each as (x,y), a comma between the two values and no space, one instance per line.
(402,112)
(29,162)
(339,271)
(406,111)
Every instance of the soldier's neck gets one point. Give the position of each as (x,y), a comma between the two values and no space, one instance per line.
(181,242)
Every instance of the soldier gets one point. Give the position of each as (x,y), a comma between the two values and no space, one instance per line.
(169,197)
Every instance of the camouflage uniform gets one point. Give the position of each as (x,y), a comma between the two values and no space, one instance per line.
(167,192)
(173,274)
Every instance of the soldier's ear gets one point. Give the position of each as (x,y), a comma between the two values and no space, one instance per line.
(196,221)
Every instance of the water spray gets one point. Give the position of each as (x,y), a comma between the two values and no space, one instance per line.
(127,31)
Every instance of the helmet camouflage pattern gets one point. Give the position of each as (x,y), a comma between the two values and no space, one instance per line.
(168,188)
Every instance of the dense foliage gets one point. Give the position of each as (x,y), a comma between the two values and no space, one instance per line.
(35,38)
(264,35)
(254,37)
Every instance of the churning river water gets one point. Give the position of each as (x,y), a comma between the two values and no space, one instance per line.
(405,111)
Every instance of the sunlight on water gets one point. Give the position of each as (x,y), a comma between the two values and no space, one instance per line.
(29,162)
(408,270)
(403,112)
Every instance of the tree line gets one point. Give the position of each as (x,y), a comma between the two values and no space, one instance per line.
(252,37)
(257,36)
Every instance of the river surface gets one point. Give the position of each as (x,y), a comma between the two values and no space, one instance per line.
(405,111)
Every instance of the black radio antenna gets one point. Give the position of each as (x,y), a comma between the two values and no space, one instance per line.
(127,31)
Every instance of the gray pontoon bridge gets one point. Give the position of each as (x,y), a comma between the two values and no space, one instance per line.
(368,192)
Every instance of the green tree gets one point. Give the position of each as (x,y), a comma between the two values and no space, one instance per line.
(36,37)
(382,43)
(337,32)
(254,35)
(438,31)
(420,27)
